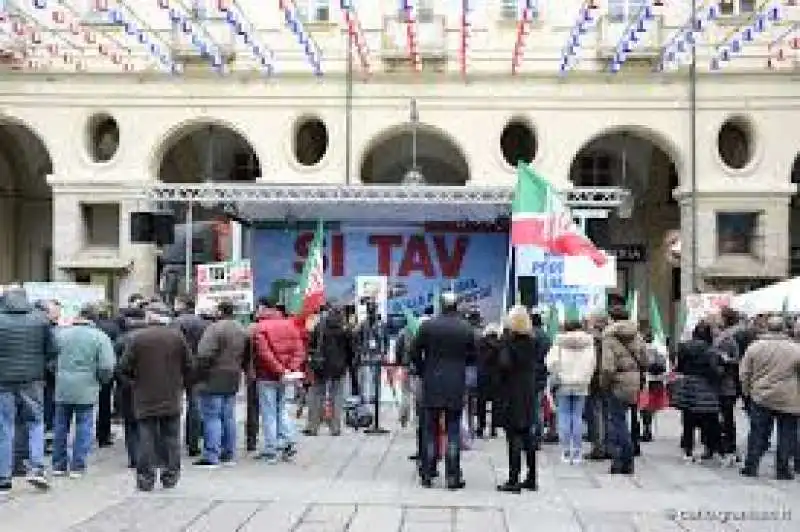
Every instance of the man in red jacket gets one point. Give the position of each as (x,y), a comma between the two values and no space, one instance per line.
(279,352)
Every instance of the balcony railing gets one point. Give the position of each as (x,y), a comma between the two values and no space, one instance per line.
(431,37)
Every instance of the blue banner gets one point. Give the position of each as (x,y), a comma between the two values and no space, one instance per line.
(549,271)
(418,264)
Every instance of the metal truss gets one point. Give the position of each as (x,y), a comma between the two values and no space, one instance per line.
(591,197)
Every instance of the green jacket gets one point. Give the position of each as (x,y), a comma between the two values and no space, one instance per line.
(85,359)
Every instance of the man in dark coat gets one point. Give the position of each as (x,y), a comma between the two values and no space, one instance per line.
(330,352)
(27,348)
(157,363)
(541,346)
(192,327)
(441,351)
(104,321)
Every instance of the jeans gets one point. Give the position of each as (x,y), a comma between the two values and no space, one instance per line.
(453,451)
(193,427)
(49,401)
(619,436)
(158,447)
(761,421)
(570,423)
(29,398)
(519,442)
(277,425)
(81,445)
(708,424)
(319,391)
(219,426)
(596,407)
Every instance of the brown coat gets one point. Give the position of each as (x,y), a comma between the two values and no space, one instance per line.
(623,361)
(770,373)
(222,356)
(156,362)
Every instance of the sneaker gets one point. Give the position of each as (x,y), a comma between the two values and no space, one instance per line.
(228,463)
(204,463)
(76,474)
(5,490)
(38,480)
(577,457)
(289,453)
(59,473)
(566,457)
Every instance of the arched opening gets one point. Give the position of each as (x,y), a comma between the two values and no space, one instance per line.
(202,153)
(26,229)
(794,221)
(639,233)
(391,159)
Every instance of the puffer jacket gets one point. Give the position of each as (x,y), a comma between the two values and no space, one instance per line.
(571,362)
(623,361)
(698,365)
(727,349)
(770,373)
(27,343)
(278,346)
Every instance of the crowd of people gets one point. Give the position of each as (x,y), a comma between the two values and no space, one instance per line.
(601,379)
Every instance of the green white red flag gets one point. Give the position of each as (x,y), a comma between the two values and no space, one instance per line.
(310,295)
(540,218)
(657,327)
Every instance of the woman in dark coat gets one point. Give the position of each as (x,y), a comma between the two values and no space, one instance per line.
(517,398)
(488,379)
(698,396)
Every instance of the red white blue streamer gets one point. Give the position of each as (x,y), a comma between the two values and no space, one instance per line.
(355,32)
(205,47)
(675,50)
(409,8)
(780,47)
(526,14)
(467,9)
(632,36)
(310,48)
(570,54)
(235,18)
(64,18)
(761,22)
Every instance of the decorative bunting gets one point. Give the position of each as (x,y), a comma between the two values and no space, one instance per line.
(466,32)
(310,48)
(587,18)
(409,9)
(183,22)
(244,29)
(356,34)
(768,14)
(674,51)
(526,12)
(67,51)
(632,36)
(786,41)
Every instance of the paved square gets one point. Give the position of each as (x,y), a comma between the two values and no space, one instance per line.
(361,483)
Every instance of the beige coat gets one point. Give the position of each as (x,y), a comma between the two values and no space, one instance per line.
(571,362)
(770,373)
(623,361)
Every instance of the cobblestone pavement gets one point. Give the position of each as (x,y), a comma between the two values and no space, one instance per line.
(362,483)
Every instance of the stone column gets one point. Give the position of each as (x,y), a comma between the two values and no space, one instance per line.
(68,237)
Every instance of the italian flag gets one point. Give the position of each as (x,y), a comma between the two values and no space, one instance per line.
(539,218)
(310,293)
(657,327)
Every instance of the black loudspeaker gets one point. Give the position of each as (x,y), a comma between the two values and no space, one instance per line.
(528,290)
(163,228)
(142,227)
